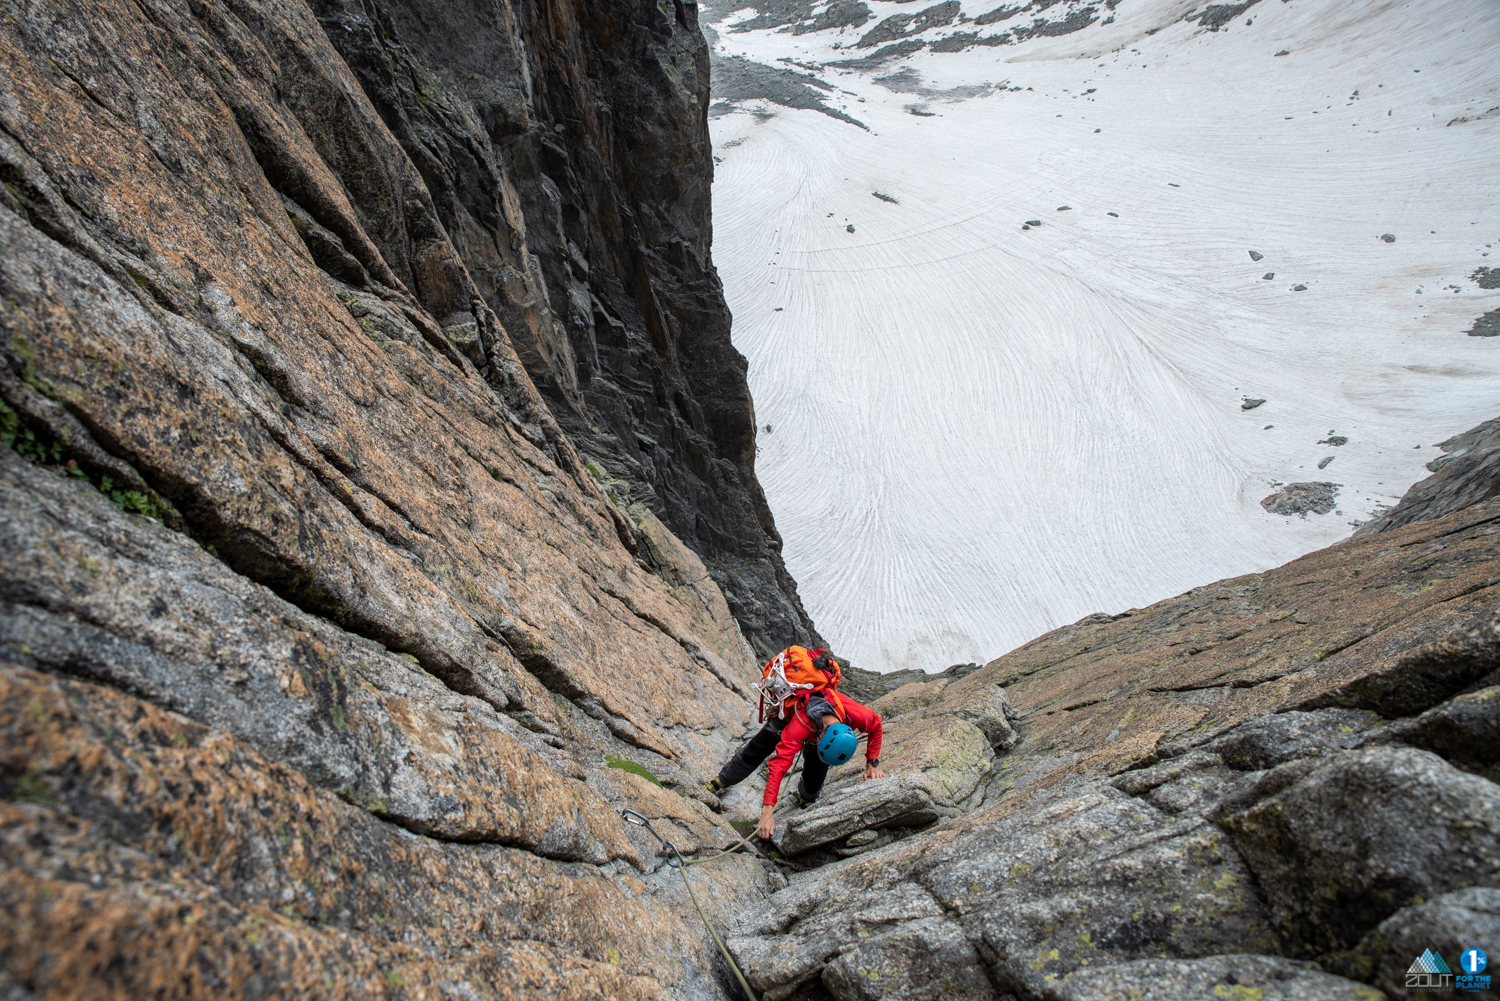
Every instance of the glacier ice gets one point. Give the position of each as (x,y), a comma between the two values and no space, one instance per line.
(993,416)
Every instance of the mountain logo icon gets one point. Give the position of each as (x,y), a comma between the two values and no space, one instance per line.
(1429,962)
(1428,971)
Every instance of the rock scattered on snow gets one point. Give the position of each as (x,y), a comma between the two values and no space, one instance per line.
(1250,404)
(1268,276)
(1487,325)
(886,198)
(1256,256)
(1300,498)
(1388,237)
(850,227)
(1065,208)
(1323,462)
(1336,440)
(1036,222)
(1299,288)
(1486,277)
(905,25)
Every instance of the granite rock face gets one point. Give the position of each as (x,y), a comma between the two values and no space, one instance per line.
(1450,924)
(320,641)
(1238,976)
(1338,851)
(145,853)
(377,521)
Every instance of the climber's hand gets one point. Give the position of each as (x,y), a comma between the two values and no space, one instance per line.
(873,772)
(767,826)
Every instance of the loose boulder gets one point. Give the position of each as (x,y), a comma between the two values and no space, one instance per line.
(1252,978)
(898,800)
(1356,839)
(1448,925)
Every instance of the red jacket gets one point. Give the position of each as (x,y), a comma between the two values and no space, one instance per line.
(801,729)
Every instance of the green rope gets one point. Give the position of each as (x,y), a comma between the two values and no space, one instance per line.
(632,817)
(728,851)
(717,940)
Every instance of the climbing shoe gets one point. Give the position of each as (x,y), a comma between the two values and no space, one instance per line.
(714,786)
(803,804)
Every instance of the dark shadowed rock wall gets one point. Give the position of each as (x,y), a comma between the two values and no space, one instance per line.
(566,151)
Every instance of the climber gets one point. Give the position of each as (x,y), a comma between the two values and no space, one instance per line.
(831,718)
(795,681)
(792,670)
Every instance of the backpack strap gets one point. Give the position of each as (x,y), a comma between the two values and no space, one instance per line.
(823,661)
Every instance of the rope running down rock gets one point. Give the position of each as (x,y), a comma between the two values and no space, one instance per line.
(676,861)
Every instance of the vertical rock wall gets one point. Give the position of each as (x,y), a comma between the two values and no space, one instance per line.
(566,151)
(317,635)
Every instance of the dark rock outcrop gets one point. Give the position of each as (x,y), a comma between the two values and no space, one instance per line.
(1466,473)
(567,157)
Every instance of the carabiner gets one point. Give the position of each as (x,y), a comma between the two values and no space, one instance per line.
(631,817)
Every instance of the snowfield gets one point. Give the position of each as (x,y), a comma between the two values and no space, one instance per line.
(971,431)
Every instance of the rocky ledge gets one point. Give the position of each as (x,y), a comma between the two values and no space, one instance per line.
(1277,786)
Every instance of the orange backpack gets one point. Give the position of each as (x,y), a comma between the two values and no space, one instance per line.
(794,673)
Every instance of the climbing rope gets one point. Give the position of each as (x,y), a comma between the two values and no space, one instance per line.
(728,851)
(676,861)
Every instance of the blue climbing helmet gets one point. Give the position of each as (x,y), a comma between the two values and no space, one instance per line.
(837,744)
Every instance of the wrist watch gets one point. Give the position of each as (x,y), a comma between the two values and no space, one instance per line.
(872,762)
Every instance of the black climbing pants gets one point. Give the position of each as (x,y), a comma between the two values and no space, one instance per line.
(762,746)
(814,771)
(758,749)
